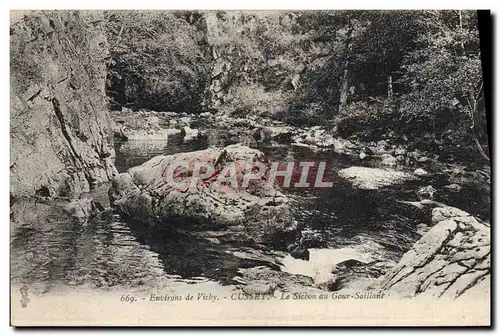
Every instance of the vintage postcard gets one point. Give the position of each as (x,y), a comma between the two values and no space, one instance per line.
(249,168)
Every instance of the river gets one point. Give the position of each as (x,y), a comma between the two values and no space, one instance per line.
(109,252)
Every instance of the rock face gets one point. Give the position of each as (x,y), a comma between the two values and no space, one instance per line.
(373,178)
(258,213)
(60,133)
(450,260)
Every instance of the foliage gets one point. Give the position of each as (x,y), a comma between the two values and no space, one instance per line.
(253,99)
(443,80)
(366,118)
(157,60)
(415,73)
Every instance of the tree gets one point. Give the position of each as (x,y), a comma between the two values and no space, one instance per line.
(443,78)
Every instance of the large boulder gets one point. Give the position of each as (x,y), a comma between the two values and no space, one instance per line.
(258,212)
(83,209)
(373,178)
(440,214)
(450,260)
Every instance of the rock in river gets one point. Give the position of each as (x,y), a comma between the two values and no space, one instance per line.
(189,133)
(388,160)
(420,172)
(258,212)
(83,209)
(141,126)
(450,260)
(373,178)
(426,192)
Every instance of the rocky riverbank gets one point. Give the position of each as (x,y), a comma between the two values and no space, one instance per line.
(218,129)
(354,271)
(451,260)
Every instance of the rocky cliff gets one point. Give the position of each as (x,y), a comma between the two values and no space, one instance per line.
(227,61)
(60,134)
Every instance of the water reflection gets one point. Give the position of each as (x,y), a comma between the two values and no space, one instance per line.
(135,152)
(53,249)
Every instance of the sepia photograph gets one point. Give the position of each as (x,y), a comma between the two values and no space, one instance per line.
(250,168)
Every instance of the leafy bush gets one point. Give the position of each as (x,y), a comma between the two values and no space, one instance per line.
(304,114)
(370,119)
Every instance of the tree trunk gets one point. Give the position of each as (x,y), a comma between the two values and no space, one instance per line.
(344,88)
(119,38)
(390,92)
(473,107)
(460,25)
(344,82)
(481,150)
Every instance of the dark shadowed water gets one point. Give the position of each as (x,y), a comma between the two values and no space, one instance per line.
(108,251)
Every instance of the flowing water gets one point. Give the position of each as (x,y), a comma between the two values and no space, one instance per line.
(109,252)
